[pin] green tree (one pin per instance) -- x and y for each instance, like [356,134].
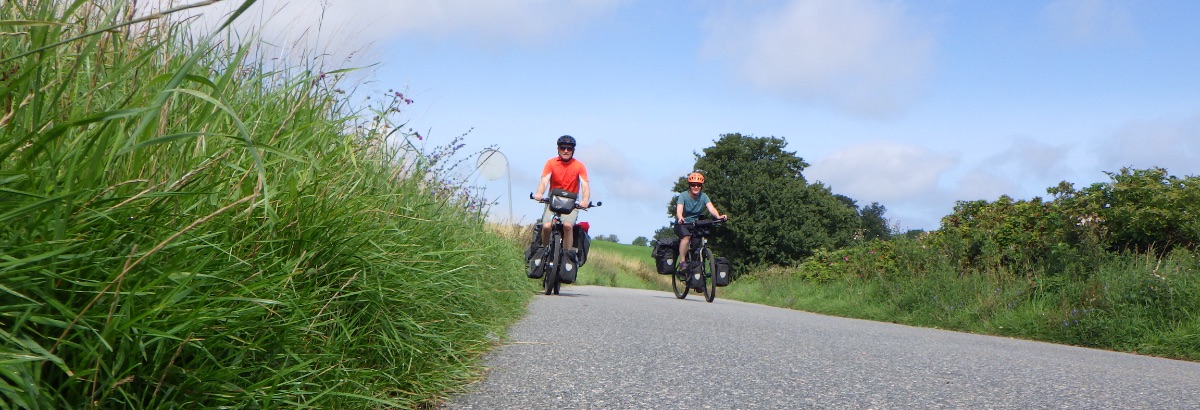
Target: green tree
[1006,234]
[777,217]
[872,222]
[1140,209]
[607,238]
[640,241]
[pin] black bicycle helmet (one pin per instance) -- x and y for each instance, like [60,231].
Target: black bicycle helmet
[566,140]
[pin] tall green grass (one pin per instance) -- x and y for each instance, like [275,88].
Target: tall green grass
[183,226]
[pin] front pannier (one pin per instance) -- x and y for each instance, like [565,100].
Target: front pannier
[724,273]
[535,234]
[562,201]
[566,272]
[665,252]
[533,270]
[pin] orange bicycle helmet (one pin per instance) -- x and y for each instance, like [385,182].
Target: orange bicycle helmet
[695,178]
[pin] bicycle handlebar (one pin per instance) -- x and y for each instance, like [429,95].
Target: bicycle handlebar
[547,199]
[713,222]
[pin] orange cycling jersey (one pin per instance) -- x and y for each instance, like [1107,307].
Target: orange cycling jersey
[565,175]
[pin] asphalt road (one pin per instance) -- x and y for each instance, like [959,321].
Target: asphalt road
[611,348]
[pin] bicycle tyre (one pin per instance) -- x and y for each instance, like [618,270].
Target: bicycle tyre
[710,286]
[551,283]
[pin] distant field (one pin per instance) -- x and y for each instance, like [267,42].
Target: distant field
[620,265]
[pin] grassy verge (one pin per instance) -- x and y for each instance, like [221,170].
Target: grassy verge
[617,265]
[1126,302]
[182,226]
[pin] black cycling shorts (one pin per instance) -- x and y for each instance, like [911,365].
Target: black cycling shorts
[681,230]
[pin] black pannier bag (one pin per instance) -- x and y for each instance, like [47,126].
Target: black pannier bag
[582,243]
[665,252]
[567,271]
[562,201]
[535,234]
[724,273]
[567,276]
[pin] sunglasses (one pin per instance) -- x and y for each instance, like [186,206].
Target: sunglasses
[566,148]
[696,185]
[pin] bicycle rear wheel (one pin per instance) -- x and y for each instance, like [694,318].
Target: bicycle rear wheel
[710,286]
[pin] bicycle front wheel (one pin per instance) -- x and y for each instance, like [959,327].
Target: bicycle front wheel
[710,285]
[679,285]
[554,259]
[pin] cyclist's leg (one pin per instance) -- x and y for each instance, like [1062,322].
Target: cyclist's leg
[539,254]
[568,222]
[568,236]
[547,223]
[681,231]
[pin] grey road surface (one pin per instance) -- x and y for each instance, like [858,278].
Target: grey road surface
[610,348]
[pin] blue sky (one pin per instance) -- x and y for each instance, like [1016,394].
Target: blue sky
[912,104]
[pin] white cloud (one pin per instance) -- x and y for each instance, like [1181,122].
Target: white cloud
[985,185]
[867,56]
[344,28]
[620,179]
[881,172]
[1085,21]
[1029,158]
[1173,144]
[903,178]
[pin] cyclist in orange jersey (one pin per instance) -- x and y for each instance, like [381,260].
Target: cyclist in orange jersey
[569,174]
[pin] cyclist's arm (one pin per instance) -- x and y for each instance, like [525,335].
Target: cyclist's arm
[542,185]
[679,212]
[712,210]
[585,193]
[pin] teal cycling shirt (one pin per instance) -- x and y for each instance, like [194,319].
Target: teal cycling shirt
[692,208]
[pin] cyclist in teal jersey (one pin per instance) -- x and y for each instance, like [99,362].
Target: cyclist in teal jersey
[688,207]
